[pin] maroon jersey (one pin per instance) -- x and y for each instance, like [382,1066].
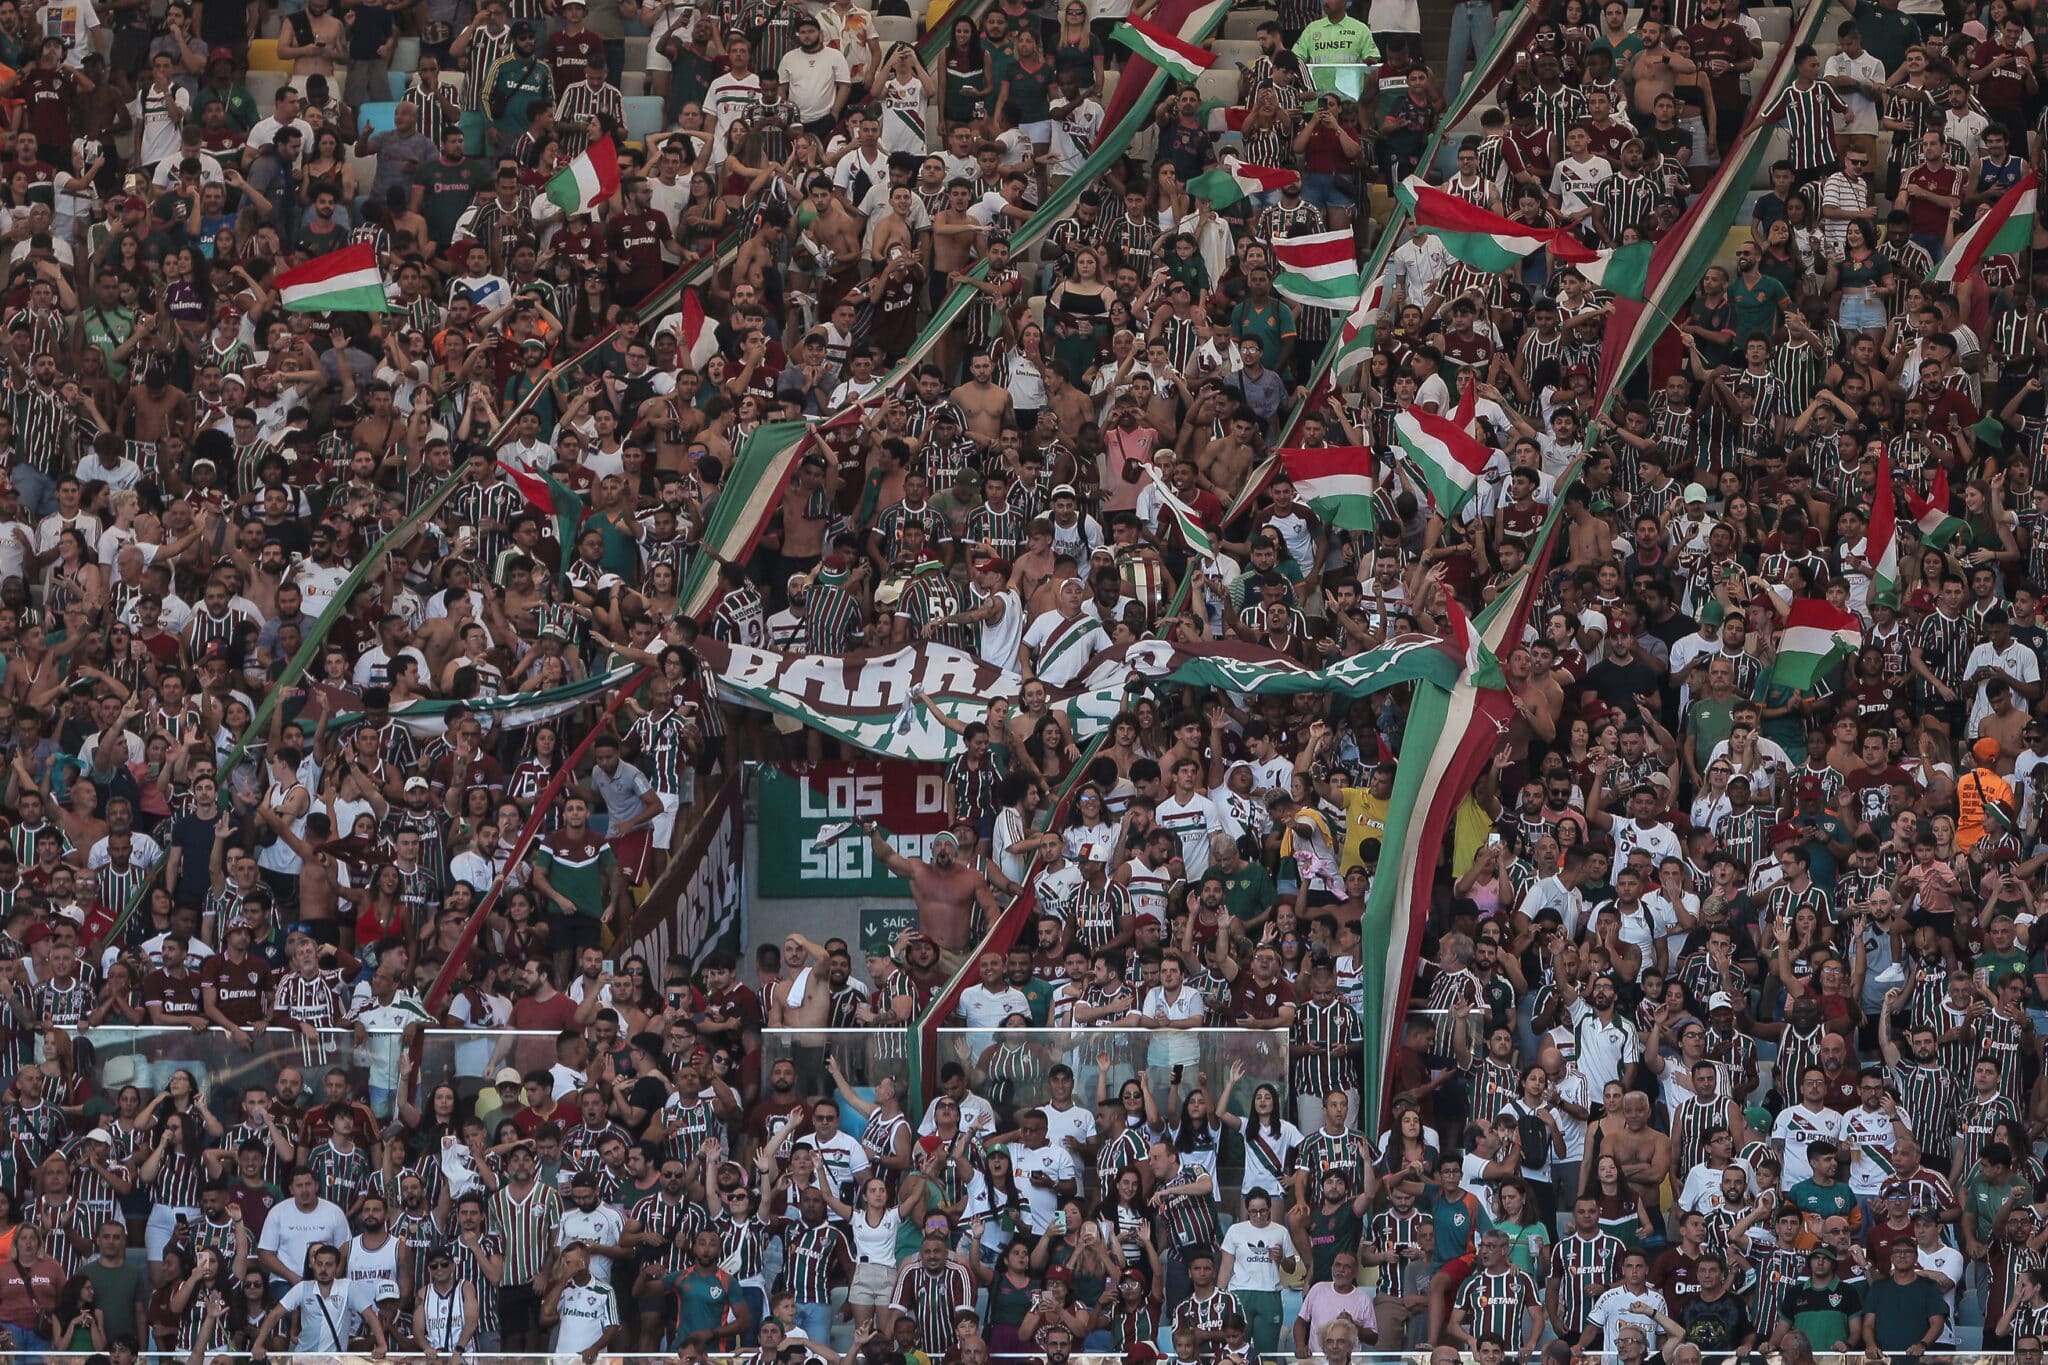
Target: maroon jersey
[176,996]
[636,240]
[238,987]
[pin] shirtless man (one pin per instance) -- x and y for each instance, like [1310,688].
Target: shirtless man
[759,253]
[1644,1153]
[1655,71]
[946,891]
[1227,459]
[892,231]
[154,409]
[377,428]
[1066,402]
[1538,703]
[837,231]
[983,402]
[807,511]
[1033,565]
[956,245]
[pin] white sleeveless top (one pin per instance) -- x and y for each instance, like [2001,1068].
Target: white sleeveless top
[278,855]
[1000,640]
[875,1245]
[441,1319]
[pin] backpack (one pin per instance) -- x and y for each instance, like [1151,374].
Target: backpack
[1535,1138]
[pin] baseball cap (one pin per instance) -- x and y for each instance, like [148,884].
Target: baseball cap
[1720,1000]
[1985,749]
[415,784]
[1811,786]
[221,54]
[993,565]
[1695,493]
[509,1075]
[100,1135]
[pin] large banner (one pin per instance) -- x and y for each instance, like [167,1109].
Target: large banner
[696,907]
[796,801]
[912,702]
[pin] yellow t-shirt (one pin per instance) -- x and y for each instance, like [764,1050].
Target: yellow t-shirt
[1365,817]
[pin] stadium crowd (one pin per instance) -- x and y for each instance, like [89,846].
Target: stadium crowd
[1729,1034]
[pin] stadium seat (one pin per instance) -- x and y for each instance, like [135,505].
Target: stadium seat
[380,117]
[263,87]
[636,53]
[892,28]
[643,116]
[263,56]
[406,56]
[1244,26]
[1775,23]
[398,80]
[1218,83]
[1236,51]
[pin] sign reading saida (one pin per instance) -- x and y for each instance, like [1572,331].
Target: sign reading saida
[797,800]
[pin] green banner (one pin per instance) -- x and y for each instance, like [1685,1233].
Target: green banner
[808,845]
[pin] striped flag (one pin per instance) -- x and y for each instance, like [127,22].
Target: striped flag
[1192,531]
[1355,341]
[551,498]
[1817,636]
[587,181]
[1482,239]
[1931,514]
[1182,60]
[1451,459]
[2006,229]
[1235,180]
[1624,271]
[1881,545]
[1337,483]
[344,281]
[1480,666]
[699,339]
[1319,270]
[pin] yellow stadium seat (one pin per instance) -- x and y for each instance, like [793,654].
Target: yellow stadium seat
[263,56]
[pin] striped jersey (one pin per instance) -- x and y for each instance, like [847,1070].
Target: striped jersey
[527,1226]
[1498,1302]
[1584,1267]
[808,1257]
[929,1298]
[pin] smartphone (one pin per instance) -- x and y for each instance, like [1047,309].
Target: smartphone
[1493,838]
[1059,1222]
[608,967]
[1175,1076]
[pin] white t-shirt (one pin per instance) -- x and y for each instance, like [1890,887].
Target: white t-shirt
[1573,182]
[587,1310]
[2017,661]
[1255,1267]
[601,1226]
[1612,1309]
[1797,1129]
[1057,1163]
[324,1317]
[291,1232]
[1867,1128]
[1192,822]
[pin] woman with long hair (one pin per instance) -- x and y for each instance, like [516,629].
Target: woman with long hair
[968,77]
[1012,1294]
[874,1220]
[1269,1139]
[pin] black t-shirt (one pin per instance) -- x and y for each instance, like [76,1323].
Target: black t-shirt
[647,1094]
[1618,685]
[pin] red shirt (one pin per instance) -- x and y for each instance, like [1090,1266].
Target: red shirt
[636,240]
[178,995]
[558,1012]
[1250,1000]
[238,988]
[1929,219]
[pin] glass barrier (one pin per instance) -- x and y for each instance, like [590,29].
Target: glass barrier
[222,1064]
[1009,1069]
[470,1059]
[862,1056]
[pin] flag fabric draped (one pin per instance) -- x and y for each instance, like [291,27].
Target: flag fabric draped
[1451,459]
[1817,636]
[1482,668]
[1931,514]
[1319,270]
[1192,531]
[1336,482]
[1182,60]
[587,181]
[1355,341]
[1480,238]
[1881,544]
[1624,271]
[1235,180]
[2006,229]
[552,498]
[699,339]
[344,281]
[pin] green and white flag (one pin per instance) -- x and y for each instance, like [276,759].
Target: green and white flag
[1931,514]
[1623,272]
[1337,483]
[1355,341]
[1451,459]
[1181,60]
[1235,181]
[1319,270]
[2006,229]
[1479,237]
[344,281]
[1197,536]
[587,181]
[1817,636]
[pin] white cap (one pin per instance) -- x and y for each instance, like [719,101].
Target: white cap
[1720,1000]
